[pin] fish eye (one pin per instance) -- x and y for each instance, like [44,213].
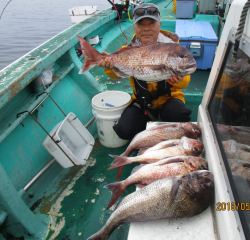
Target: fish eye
[195,150]
[181,55]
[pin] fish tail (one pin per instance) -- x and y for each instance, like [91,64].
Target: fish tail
[117,188]
[119,172]
[99,235]
[92,56]
[106,230]
[119,161]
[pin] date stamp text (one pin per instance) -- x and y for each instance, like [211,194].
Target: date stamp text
[232,206]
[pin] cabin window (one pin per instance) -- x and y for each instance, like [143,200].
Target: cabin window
[229,110]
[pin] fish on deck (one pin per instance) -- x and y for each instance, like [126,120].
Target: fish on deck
[155,135]
[173,197]
[143,175]
[152,62]
[185,147]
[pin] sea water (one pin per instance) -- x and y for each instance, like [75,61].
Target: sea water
[27,24]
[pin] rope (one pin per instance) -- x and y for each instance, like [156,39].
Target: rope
[120,23]
[4,9]
[240,28]
[242,20]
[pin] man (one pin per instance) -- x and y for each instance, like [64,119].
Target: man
[154,100]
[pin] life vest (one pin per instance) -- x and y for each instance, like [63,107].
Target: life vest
[144,99]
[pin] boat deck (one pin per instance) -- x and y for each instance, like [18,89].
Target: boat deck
[75,202]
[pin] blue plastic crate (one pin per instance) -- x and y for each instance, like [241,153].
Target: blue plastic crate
[185,8]
[200,39]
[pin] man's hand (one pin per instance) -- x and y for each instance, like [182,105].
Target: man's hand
[174,80]
[106,63]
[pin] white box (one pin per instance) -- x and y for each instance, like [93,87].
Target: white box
[82,10]
[73,138]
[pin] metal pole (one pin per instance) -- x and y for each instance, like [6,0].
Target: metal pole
[90,122]
[39,174]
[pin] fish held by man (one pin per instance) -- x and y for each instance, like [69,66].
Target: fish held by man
[143,175]
[152,62]
[186,146]
[152,136]
[174,197]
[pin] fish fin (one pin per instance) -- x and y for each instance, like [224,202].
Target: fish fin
[119,172]
[153,67]
[119,73]
[172,144]
[169,160]
[118,203]
[119,161]
[92,56]
[142,151]
[123,49]
[137,168]
[117,189]
[164,139]
[162,127]
[140,185]
[173,192]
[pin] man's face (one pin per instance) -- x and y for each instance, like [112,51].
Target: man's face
[147,29]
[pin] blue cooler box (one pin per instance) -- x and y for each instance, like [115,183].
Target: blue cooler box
[199,39]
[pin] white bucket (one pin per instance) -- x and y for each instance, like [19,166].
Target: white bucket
[108,116]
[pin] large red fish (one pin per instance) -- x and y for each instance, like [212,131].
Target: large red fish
[148,173]
[152,62]
[185,147]
[155,135]
[173,197]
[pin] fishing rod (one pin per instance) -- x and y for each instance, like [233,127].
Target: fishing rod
[168,4]
[119,8]
[4,9]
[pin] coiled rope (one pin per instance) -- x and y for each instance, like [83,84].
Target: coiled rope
[240,28]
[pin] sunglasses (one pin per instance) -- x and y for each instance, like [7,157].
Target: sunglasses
[149,10]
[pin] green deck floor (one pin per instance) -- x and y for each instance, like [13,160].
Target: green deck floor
[78,210]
